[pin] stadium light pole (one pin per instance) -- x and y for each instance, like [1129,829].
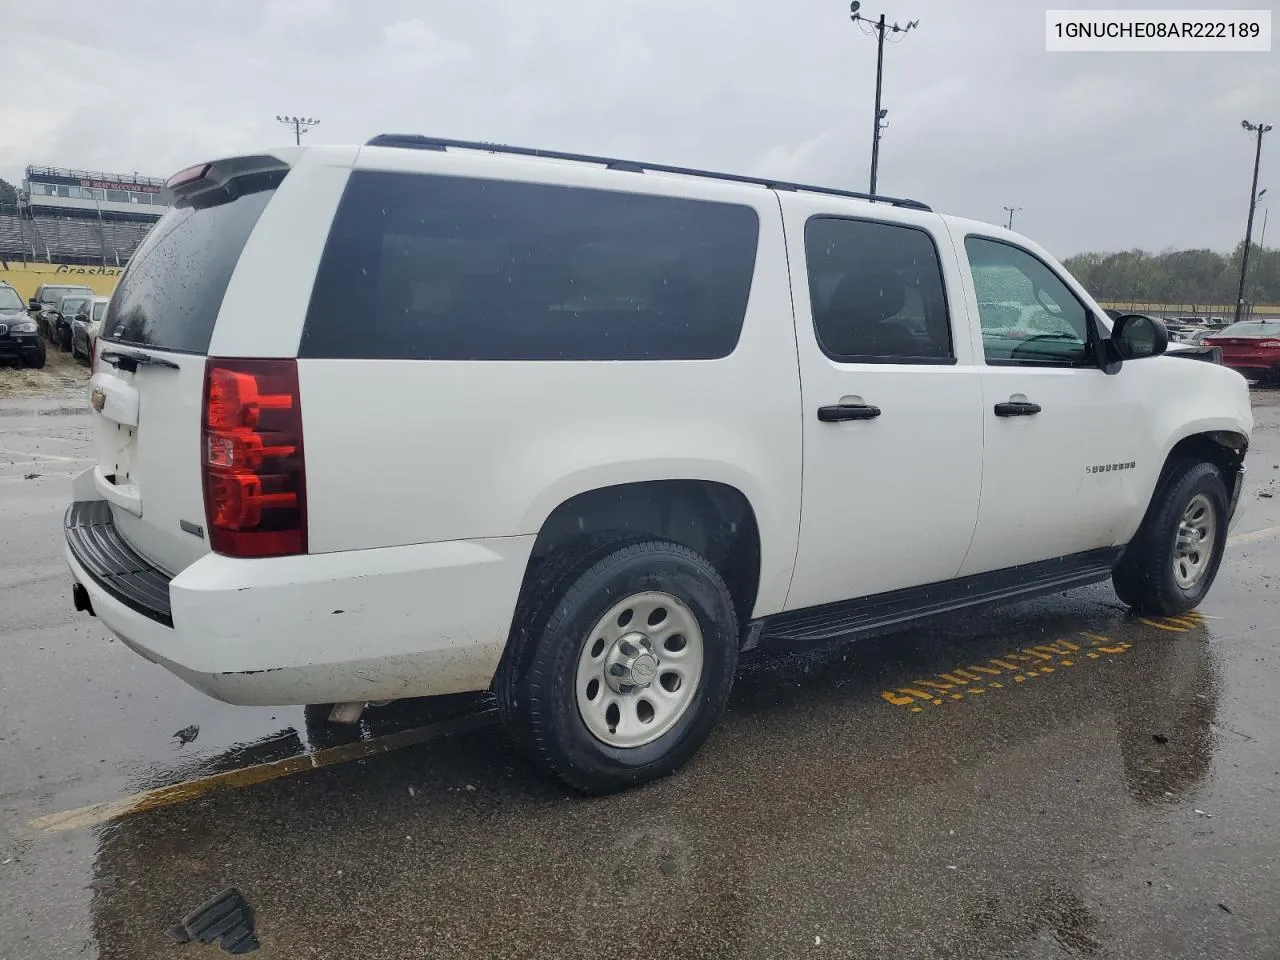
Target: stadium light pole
[1012,211]
[880,27]
[300,126]
[1259,129]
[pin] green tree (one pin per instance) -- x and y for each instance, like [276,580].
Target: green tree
[8,194]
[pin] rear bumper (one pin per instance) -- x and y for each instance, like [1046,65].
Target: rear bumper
[409,621]
[1253,365]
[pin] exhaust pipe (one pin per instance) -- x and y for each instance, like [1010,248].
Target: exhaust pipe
[80,599]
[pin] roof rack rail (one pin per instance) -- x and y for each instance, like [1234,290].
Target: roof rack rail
[414,141]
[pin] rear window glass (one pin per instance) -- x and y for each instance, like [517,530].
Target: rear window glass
[1250,328]
[447,268]
[170,293]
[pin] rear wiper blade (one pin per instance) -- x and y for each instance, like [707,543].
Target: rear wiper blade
[130,361]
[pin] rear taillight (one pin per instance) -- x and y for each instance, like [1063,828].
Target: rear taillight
[1269,343]
[255,494]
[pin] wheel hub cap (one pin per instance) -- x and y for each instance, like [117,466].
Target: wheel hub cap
[1194,543]
[631,663]
[639,669]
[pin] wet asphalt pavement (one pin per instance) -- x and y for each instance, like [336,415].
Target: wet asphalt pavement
[1054,779]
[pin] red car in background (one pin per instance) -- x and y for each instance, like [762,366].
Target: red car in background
[1252,347]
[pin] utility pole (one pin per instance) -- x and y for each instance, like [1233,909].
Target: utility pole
[880,27]
[1012,211]
[300,126]
[1259,129]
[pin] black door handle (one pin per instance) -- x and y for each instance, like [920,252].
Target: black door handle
[1017,408]
[847,411]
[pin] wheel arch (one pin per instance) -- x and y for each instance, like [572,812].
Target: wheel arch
[1223,445]
[716,519]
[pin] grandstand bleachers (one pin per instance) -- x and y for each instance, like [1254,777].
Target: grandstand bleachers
[14,240]
[42,236]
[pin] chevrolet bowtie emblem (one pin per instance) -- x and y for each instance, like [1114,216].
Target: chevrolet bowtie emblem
[98,399]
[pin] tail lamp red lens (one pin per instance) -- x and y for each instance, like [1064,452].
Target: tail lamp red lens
[254,472]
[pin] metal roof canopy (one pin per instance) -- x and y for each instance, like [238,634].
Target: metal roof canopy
[416,142]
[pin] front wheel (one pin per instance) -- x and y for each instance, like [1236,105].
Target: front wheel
[622,668]
[1173,559]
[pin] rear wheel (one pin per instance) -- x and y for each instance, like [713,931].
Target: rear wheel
[620,670]
[1172,561]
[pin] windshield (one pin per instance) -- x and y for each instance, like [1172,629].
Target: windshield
[52,295]
[1251,328]
[9,299]
[70,305]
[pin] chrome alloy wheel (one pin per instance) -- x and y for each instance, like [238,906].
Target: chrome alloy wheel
[639,669]
[1193,550]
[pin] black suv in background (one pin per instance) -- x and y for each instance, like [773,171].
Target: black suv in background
[20,341]
[59,324]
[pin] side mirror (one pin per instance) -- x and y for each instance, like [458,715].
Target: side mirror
[1136,336]
[33,304]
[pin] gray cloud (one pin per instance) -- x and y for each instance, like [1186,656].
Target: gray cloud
[1103,151]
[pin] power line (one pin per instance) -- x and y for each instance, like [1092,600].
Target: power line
[1012,211]
[1259,129]
[300,126]
[879,27]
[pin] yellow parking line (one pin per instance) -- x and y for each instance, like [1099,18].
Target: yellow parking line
[1163,626]
[187,790]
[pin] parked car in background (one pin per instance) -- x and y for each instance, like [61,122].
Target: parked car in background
[1252,347]
[85,326]
[60,321]
[45,302]
[19,339]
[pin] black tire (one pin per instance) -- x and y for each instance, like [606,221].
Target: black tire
[35,360]
[535,686]
[1144,577]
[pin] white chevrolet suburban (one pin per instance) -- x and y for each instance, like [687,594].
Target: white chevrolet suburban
[422,417]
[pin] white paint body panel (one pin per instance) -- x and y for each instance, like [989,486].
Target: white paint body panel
[151,446]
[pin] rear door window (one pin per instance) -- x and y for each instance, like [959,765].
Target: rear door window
[171,292]
[877,292]
[448,268]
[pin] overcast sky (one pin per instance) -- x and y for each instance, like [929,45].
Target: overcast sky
[1103,151]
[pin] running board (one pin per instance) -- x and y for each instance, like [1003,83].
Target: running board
[898,609]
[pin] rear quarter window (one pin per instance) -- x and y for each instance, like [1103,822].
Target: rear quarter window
[170,294]
[449,268]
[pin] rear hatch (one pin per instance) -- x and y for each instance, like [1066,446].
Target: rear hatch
[149,363]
